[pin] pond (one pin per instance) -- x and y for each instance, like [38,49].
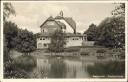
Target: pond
[70,67]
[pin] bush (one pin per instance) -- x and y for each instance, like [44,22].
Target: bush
[101,51]
[11,71]
[25,62]
[72,49]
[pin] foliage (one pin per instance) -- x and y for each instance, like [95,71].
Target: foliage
[110,32]
[119,10]
[12,41]
[72,49]
[25,62]
[37,35]
[11,71]
[57,41]
[8,10]
[10,33]
[22,40]
[91,32]
[101,51]
[107,68]
[26,42]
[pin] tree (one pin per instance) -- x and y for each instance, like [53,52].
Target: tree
[111,32]
[10,29]
[57,41]
[25,41]
[91,32]
[8,10]
[10,32]
[119,10]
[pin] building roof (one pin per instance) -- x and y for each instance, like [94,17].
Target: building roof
[50,18]
[58,17]
[62,25]
[69,20]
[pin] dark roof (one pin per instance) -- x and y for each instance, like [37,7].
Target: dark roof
[50,18]
[58,17]
[62,25]
[71,22]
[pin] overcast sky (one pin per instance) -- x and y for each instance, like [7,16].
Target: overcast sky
[31,15]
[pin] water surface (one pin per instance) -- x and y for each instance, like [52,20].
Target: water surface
[70,67]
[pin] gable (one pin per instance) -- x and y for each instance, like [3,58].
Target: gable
[60,22]
[68,20]
[68,27]
[50,24]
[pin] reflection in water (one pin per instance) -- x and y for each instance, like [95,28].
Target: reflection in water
[62,68]
[58,68]
[75,69]
[111,68]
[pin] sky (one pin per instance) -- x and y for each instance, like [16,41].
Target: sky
[31,15]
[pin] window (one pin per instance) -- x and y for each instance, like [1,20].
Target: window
[45,45]
[43,30]
[40,38]
[77,39]
[43,38]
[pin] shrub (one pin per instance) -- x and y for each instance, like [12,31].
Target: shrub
[72,49]
[25,62]
[101,51]
[11,71]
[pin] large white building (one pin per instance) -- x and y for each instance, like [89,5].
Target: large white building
[66,24]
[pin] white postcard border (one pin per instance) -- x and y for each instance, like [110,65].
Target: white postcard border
[67,80]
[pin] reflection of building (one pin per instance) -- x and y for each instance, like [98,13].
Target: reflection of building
[66,24]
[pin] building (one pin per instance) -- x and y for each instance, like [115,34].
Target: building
[66,24]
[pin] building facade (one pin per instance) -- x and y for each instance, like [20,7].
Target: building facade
[66,24]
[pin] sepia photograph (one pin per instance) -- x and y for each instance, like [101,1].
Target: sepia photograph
[64,40]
